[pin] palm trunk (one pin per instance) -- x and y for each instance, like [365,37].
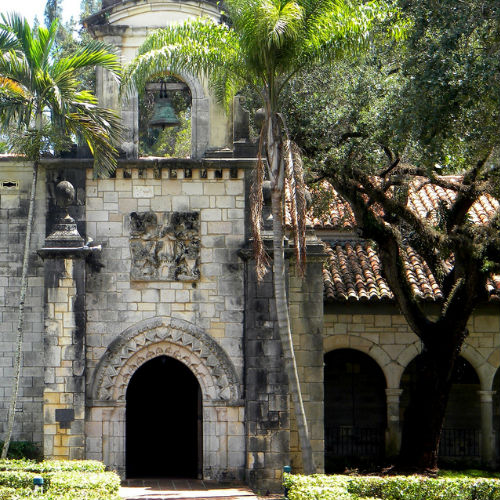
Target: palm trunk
[274,150]
[20,316]
[286,335]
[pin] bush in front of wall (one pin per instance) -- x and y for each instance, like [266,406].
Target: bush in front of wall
[63,480]
[52,465]
[415,487]
[23,450]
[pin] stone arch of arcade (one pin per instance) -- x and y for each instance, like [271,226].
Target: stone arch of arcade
[469,422]
[355,408]
[393,367]
[219,384]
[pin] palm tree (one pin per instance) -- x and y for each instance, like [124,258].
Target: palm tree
[265,44]
[41,102]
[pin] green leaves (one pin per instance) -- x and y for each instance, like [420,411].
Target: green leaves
[414,487]
[268,42]
[35,84]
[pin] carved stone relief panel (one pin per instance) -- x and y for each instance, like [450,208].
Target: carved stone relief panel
[165,246]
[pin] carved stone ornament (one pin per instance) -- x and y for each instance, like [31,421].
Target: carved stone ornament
[172,337]
[165,246]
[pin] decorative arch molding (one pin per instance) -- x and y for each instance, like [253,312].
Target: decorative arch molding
[484,369]
[389,368]
[172,337]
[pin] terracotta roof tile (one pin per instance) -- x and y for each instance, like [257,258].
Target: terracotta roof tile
[353,272]
[424,199]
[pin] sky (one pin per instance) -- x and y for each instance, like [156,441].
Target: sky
[30,8]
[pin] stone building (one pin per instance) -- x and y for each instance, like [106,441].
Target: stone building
[150,344]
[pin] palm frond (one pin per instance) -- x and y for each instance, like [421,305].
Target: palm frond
[256,206]
[20,31]
[100,128]
[197,47]
[93,54]
[30,81]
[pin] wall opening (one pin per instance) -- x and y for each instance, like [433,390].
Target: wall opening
[163,421]
[461,434]
[173,140]
[355,410]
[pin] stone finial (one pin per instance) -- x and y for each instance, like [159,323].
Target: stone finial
[65,194]
[64,232]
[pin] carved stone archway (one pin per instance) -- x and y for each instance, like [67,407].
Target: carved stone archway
[219,383]
[173,337]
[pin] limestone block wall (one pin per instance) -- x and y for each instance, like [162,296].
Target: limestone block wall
[15,185]
[160,316]
[306,317]
[266,384]
[64,355]
[214,303]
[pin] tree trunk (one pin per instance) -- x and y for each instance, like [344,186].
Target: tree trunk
[286,334]
[424,417]
[20,315]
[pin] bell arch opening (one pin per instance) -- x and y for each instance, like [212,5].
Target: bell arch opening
[165,118]
[355,409]
[163,421]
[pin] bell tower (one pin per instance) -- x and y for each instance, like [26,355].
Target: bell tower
[125,25]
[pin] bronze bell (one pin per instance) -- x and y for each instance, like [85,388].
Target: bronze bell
[163,112]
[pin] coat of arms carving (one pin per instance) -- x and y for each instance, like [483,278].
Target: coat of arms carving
[165,246]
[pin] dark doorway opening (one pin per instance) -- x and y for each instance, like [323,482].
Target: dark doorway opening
[355,410]
[164,417]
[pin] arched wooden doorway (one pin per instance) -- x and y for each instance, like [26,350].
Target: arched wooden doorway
[163,421]
[355,409]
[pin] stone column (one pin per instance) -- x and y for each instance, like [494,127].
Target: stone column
[64,339]
[487,433]
[393,431]
[266,387]
[306,321]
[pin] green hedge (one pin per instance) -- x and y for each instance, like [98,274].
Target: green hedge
[53,465]
[63,480]
[338,487]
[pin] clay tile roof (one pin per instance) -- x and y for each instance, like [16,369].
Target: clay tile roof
[352,271]
[424,199]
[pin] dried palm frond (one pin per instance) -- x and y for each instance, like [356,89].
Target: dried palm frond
[256,204]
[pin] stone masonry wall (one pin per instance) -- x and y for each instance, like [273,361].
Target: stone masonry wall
[266,397]
[214,302]
[15,185]
[64,354]
[306,317]
[194,277]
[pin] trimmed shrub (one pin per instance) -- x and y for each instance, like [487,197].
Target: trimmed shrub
[63,480]
[53,465]
[14,493]
[105,483]
[391,487]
